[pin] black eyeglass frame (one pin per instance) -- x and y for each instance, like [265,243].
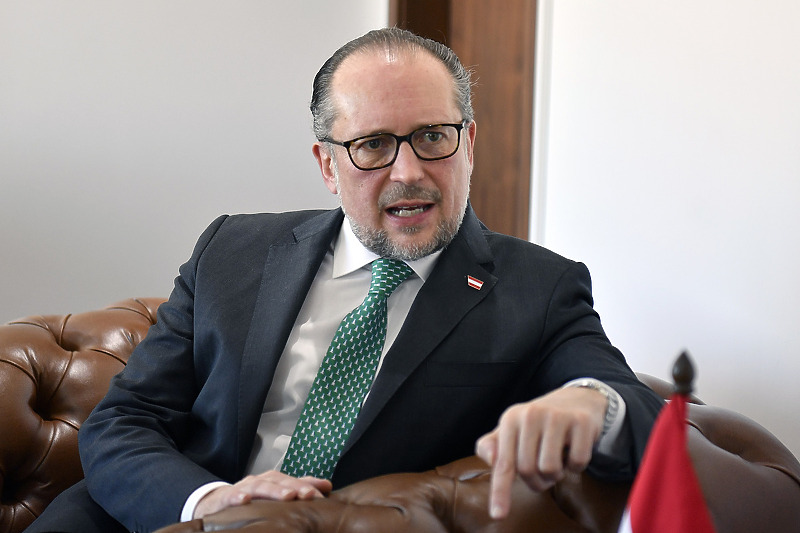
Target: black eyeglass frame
[399,140]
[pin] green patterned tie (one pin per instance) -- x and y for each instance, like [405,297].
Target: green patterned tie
[344,378]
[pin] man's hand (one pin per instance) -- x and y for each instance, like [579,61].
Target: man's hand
[540,440]
[270,485]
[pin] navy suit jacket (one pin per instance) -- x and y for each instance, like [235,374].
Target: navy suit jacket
[184,411]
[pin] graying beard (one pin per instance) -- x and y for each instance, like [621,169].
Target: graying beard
[378,242]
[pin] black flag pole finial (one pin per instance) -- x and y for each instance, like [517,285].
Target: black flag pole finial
[683,374]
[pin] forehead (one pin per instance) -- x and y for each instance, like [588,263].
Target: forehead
[392,91]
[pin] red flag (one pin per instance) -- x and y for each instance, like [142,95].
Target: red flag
[666,495]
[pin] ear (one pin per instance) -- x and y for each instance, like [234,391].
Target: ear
[324,159]
[469,140]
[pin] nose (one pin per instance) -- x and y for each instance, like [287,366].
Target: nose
[407,166]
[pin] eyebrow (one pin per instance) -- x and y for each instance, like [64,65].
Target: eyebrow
[415,128]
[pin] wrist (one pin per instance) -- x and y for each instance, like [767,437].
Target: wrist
[190,507]
[611,396]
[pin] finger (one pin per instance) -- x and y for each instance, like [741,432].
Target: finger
[486,448]
[312,487]
[270,490]
[580,448]
[236,498]
[504,470]
[304,488]
[530,448]
[269,486]
[550,464]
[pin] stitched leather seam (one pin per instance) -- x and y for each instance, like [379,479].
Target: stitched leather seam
[25,322]
[60,337]
[128,309]
[106,352]
[24,504]
[67,422]
[61,378]
[49,447]
[23,370]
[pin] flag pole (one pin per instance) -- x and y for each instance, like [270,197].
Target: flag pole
[666,496]
[683,374]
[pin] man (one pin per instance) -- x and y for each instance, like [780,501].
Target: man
[491,340]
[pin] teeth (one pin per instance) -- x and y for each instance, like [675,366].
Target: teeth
[407,211]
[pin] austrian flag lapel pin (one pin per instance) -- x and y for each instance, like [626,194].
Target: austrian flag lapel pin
[475,283]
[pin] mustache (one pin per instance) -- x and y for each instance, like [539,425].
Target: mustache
[401,191]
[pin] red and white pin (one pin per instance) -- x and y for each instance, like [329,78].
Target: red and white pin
[475,283]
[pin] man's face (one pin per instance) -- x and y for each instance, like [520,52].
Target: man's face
[413,207]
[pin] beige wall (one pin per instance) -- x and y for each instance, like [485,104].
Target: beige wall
[669,144]
[126,127]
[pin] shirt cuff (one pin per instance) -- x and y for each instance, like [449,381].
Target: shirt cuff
[194,498]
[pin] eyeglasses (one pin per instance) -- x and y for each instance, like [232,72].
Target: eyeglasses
[429,143]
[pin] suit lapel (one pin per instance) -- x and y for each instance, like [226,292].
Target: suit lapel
[289,270]
[441,304]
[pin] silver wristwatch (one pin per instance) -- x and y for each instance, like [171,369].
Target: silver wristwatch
[612,397]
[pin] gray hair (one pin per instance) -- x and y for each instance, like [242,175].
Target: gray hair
[391,39]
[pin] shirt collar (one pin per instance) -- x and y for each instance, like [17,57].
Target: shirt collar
[349,255]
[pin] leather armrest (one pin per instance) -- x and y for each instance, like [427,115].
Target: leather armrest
[750,480]
[53,371]
[450,498]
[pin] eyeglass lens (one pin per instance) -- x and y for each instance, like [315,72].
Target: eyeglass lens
[429,143]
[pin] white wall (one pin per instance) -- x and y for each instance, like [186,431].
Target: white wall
[126,127]
[667,160]
[669,144]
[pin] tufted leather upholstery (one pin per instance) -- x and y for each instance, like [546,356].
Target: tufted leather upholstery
[750,480]
[53,371]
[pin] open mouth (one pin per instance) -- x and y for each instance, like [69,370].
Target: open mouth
[408,210]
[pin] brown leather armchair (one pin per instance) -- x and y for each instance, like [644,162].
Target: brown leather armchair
[751,483]
[54,369]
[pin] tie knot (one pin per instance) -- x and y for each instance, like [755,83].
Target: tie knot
[387,274]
